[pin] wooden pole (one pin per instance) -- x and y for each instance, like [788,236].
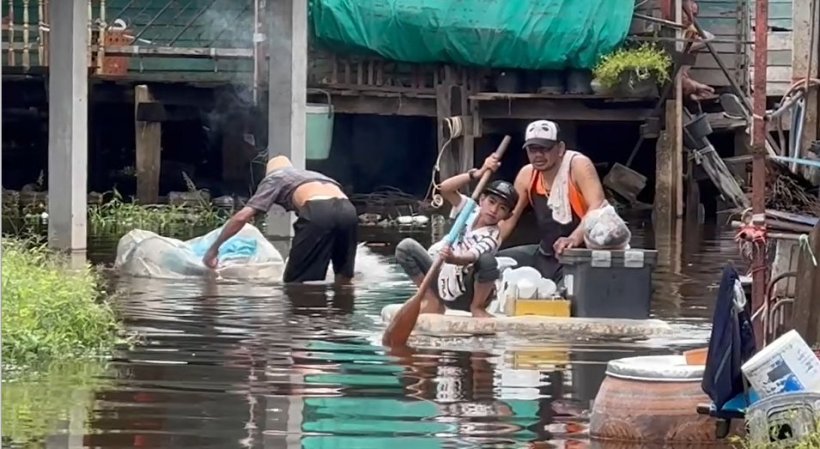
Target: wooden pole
[148,139]
[759,157]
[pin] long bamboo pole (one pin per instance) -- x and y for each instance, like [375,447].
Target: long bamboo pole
[759,158]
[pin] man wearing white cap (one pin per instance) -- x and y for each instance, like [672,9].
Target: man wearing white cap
[326,230]
[561,186]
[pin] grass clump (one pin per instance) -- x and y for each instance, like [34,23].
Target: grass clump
[51,310]
[633,65]
[119,215]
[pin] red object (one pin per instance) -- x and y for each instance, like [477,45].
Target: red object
[115,65]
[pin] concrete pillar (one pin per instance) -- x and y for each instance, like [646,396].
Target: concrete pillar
[287,91]
[68,125]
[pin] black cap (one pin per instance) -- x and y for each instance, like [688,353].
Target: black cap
[504,190]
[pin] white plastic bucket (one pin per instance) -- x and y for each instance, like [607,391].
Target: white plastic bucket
[786,365]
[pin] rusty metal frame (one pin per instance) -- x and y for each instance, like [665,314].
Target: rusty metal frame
[759,134]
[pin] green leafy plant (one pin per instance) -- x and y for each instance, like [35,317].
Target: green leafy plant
[637,64]
[51,309]
[118,215]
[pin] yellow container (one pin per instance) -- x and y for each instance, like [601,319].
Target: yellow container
[542,307]
[535,359]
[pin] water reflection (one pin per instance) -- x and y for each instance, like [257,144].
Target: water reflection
[227,365]
[49,400]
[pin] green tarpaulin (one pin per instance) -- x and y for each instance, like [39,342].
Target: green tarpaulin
[523,34]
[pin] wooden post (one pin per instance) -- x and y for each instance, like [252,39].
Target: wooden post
[806,315]
[803,41]
[676,122]
[452,100]
[668,174]
[148,148]
[465,151]
[694,208]
[447,163]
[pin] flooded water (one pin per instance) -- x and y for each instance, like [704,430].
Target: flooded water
[224,366]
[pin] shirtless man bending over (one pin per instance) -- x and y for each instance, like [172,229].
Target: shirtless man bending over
[326,229]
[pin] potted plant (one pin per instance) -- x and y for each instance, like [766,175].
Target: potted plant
[632,71]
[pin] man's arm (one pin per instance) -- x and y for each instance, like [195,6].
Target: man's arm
[232,226]
[261,201]
[521,185]
[586,178]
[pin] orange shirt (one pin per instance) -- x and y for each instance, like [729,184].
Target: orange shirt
[576,198]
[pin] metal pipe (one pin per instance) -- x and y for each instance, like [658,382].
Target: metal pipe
[759,135]
[787,105]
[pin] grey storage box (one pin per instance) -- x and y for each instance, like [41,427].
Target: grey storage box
[609,284]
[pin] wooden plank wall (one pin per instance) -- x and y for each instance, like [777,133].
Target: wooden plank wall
[779,72]
[727,20]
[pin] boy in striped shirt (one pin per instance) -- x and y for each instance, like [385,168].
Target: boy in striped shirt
[469,269]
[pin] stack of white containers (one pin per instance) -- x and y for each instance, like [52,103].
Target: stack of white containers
[786,365]
[523,283]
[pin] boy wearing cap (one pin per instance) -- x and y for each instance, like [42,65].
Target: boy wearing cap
[326,228]
[561,186]
[467,276]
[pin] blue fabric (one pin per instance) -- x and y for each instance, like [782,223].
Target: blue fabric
[731,343]
[738,403]
[234,248]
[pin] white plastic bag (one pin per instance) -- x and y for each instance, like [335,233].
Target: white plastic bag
[245,256]
[605,229]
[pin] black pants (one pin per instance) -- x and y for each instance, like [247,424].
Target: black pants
[326,231]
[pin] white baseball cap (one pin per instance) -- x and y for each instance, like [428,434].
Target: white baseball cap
[542,133]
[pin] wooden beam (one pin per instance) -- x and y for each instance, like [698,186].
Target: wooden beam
[148,140]
[180,52]
[365,89]
[201,79]
[168,95]
[387,105]
[566,109]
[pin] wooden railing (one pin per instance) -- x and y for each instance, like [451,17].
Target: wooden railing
[353,73]
[23,37]
[25,32]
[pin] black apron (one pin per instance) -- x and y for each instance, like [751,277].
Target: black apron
[550,231]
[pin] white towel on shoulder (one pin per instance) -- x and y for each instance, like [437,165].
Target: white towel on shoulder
[559,191]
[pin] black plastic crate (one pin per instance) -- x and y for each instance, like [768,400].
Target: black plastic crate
[609,284]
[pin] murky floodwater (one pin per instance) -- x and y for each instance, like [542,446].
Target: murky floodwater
[225,366]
